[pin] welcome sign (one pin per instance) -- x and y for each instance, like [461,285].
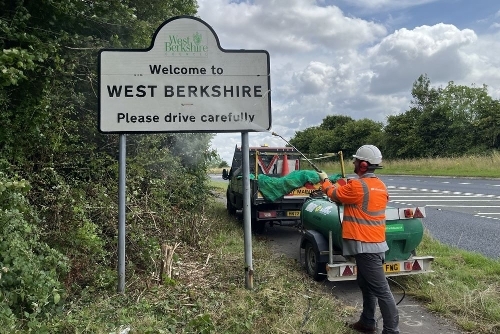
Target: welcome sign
[185,82]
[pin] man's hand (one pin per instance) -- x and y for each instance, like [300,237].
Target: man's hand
[322,176]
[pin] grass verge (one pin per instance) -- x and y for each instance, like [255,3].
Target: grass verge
[468,166]
[207,294]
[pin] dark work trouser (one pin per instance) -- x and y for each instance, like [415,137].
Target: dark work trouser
[374,286]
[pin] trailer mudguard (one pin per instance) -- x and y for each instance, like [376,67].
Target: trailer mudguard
[319,242]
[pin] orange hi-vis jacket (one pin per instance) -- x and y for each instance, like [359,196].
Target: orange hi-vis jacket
[365,201]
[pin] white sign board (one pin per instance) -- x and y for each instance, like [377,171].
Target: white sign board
[185,82]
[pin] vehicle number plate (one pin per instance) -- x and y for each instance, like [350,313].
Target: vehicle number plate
[391,267]
[293,213]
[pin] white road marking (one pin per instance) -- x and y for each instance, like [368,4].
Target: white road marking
[437,196]
[451,200]
[487,217]
[464,206]
[440,196]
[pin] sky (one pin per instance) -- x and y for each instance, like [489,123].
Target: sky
[357,58]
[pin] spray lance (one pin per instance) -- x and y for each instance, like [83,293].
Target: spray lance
[310,162]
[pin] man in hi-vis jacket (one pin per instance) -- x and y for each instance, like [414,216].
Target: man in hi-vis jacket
[363,237]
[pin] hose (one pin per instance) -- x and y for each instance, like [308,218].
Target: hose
[403,297]
[309,161]
[404,292]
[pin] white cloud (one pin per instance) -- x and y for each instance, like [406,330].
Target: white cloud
[386,4]
[405,54]
[324,62]
[285,26]
[315,77]
[483,63]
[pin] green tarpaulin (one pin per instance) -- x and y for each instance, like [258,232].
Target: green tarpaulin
[273,188]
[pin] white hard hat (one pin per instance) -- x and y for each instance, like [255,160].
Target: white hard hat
[369,153]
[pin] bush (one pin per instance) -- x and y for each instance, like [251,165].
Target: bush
[30,271]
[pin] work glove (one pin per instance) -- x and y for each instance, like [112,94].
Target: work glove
[322,176]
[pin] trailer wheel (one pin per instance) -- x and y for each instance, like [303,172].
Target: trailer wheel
[314,268]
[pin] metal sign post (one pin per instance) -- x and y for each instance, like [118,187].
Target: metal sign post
[121,213]
[247,216]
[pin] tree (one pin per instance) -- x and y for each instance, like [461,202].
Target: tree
[449,121]
[303,139]
[424,96]
[358,133]
[223,164]
[324,142]
[333,122]
[48,112]
[400,139]
[440,122]
[488,124]
[464,105]
[345,135]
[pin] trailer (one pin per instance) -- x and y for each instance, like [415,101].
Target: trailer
[321,228]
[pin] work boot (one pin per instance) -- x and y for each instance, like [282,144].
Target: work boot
[362,328]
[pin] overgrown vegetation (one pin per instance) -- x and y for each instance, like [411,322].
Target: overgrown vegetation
[30,271]
[58,201]
[59,238]
[206,293]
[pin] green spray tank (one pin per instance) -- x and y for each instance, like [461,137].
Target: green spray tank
[404,228]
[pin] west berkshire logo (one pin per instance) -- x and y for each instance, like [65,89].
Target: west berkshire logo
[187,45]
[197,38]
